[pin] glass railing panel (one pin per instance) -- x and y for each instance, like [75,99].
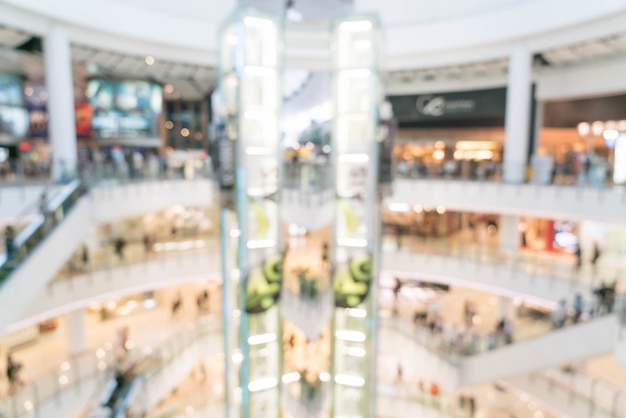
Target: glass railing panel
[454,346]
[593,175]
[108,257]
[553,266]
[307,176]
[117,173]
[102,363]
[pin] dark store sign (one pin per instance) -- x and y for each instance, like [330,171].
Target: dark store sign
[569,113]
[438,105]
[461,105]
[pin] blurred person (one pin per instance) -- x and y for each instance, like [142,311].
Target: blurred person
[13,373]
[434,392]
[399,373]
[9,241]
[85,256]
[177,304]
[325,262]
[508,332]
[579,257]
[595,256]
[147,245]
[471,403]
[559,315]
[578,306]
[396,288]
[119,245]
[43,205]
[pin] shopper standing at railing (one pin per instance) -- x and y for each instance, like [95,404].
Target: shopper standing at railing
[13,371]
[578,307]
[595,256]
[559,315]
[43,204]
[9,240]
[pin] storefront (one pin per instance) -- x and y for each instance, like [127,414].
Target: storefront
[13,120]
[449,133]
[583,139]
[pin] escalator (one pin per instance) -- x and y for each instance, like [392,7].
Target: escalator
[563,346]
[40,248]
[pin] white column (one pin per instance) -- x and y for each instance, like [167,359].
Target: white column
[75,329]
[61,118]
[509,234]
[517,119]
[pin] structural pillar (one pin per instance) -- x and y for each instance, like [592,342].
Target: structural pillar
[62,124]
[510,236]
[75,328]
[518,114]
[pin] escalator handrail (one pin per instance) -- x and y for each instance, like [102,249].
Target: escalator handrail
[65,201]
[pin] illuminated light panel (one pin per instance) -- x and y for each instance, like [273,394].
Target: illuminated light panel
[399,207]
[352,242]
[357,313]
[259,150]
[350,380]
[325,377]
[261,243]
[262,339]
[356,25]
[257,22]
[357,72]
[291,377]
[258,70]
[355,351]
[352,336]
[354,158]
[262,384]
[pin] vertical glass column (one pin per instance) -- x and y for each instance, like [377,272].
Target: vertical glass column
[357,94]
[249,110]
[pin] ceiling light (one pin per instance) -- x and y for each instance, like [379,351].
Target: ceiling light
[149,60]
[352,336]
[349,380]
[357,25]
[597,128]
[169,124]
[184,132]
[584,129]
[28,91]
[168,88]
[261,339]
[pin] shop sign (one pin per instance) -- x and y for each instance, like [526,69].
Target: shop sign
[469,105]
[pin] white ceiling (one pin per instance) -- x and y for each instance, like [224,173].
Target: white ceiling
[576,54]
[192,81]
[310,9]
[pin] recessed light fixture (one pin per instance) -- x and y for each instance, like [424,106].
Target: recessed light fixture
[168,88]
[149,60]
[184,132]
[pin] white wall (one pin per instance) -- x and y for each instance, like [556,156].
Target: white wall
[600,78]
[482,275]
[15,200]
[418,33]
[32,275]
[133,199]
[64,296]
[551,202]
